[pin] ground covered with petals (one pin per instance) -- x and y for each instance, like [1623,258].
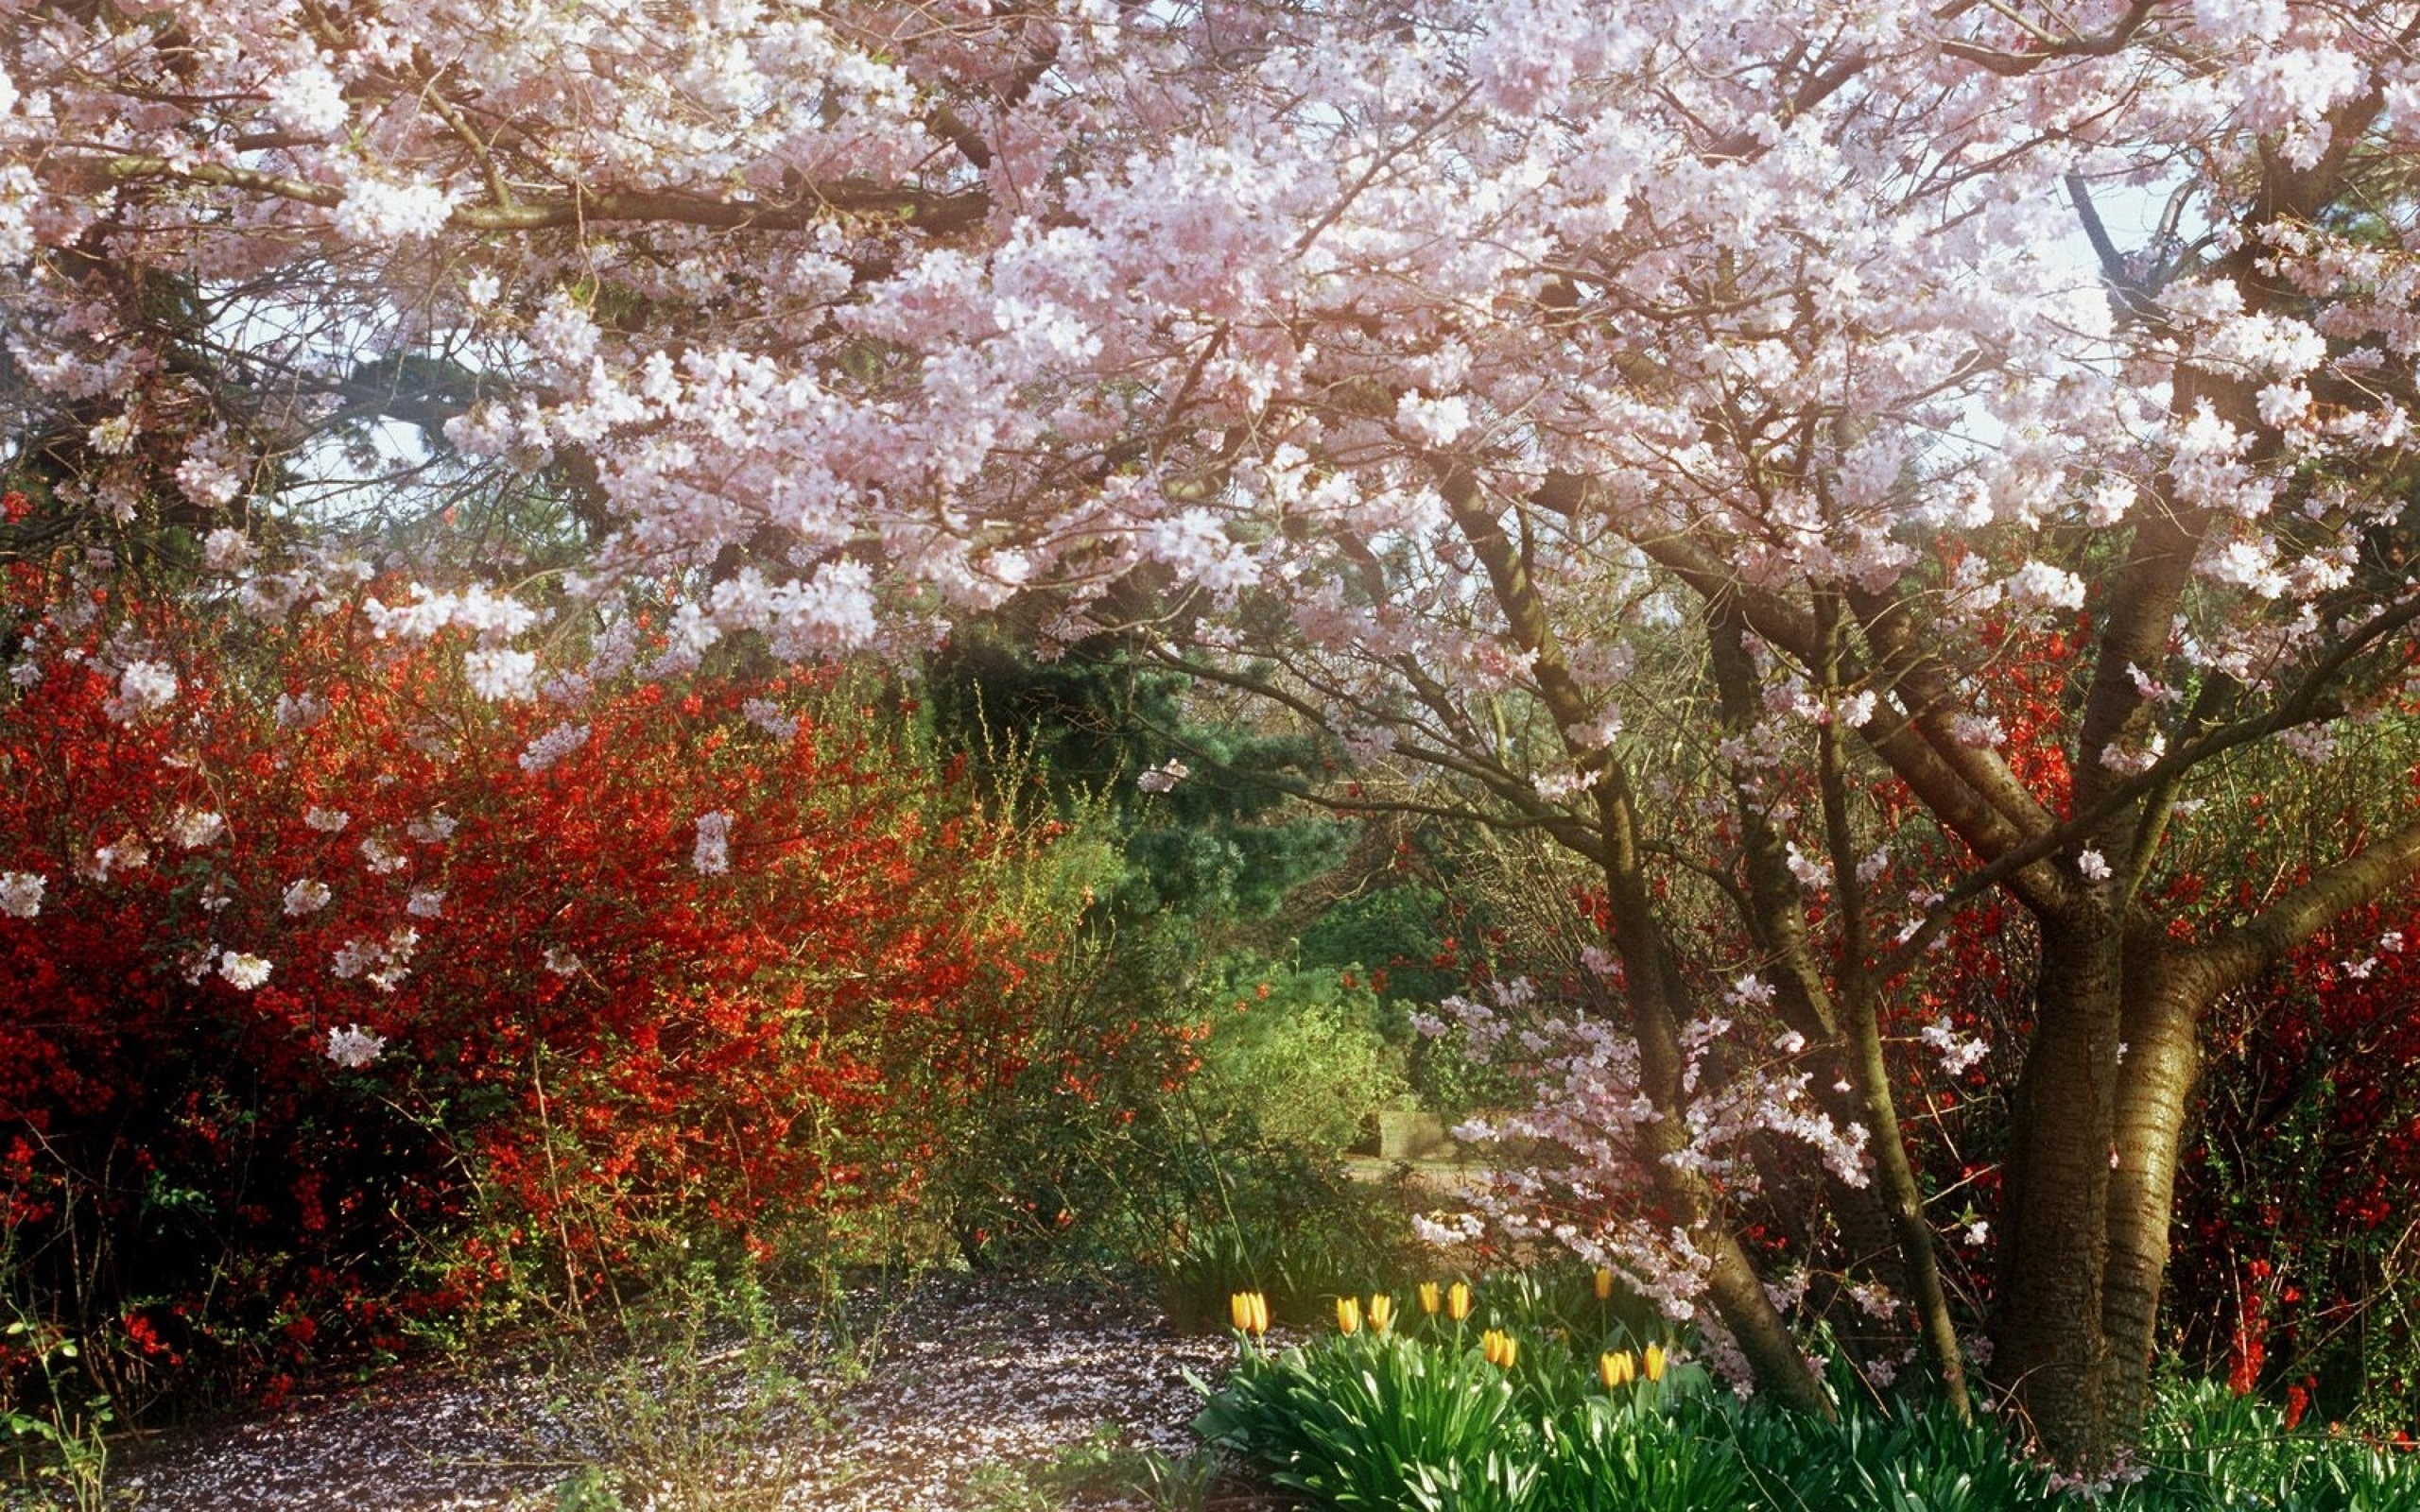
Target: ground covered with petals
[974,1388]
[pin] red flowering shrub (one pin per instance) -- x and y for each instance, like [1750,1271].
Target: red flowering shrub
[2299,1234]
[335,997]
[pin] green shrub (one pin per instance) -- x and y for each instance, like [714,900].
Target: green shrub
[1295,1056]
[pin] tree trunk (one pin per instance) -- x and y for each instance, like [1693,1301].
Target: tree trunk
[2050,1351]
[1655,993]
[1653,989]
[2166,994]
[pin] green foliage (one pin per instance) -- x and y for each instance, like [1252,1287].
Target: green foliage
[1392,931]
[1558,1303]
[1381,1422]
[1608,1457]
[1895,1458]
[54,1437]
[1295,1055]
[668,1402]
[1216,847]
[2209,1447]
[1295,1229]
[1101,1466]
[1419,1419]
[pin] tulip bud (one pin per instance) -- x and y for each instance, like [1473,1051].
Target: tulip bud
[1617,1370]
[1382,1311]
[1429,1298]
[1655,1362]
[1604,1284]
[1457,1301]
[1501,1349]
[1348,1314]
[1249,1312]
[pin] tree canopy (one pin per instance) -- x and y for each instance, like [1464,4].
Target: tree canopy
[1752,443]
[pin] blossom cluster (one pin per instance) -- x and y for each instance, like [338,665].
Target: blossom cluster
[1596,1194]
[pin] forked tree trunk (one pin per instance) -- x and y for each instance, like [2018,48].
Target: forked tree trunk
[2090,1184]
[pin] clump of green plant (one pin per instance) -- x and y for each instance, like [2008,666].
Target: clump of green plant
[54,1437]
[1895,1455]
[668,1404]
[1504,1408]
[1626,1455]
[2209,1447]
[1103,1464]
[1380,1421]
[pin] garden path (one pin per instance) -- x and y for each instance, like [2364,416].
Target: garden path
[975,1381]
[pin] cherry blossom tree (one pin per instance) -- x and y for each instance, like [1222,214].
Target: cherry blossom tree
[1459,355]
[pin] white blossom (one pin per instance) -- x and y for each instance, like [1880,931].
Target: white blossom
[191,829]
[1165,777]
[126,853]
[244,971]
[306,896]
[354,1047]
[383,964]
[144,687]
[2039,585]
[712,856]
[553,747]
[1957,1052]
[226,550]
[21,893]
[1977,730]
[300,711]
[767,715]
[1812,873]
[500,674]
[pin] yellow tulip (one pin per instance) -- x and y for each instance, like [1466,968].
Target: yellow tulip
[1617,1370]
[1382,1311]
[1248,1311]
[1457,1301]
[1655,1362]
[1429,1298]
[1348,1314]
[1500,1349]
[1604,1284]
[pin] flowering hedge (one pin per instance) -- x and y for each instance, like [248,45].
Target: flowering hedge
[341,998]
